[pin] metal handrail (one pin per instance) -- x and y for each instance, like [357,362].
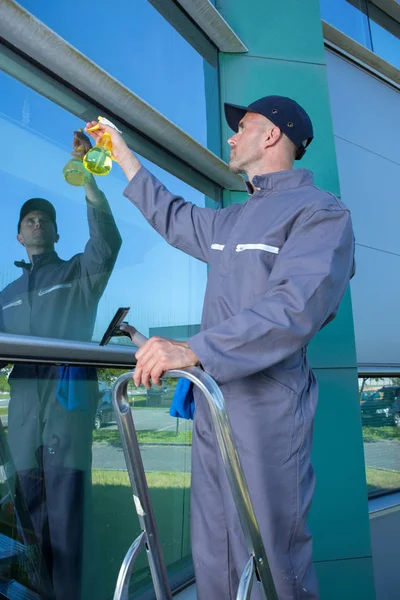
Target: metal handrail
[27,348]
[257,565]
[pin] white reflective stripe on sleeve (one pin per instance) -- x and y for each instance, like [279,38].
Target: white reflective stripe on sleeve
[55,287]
[217,246]
[264,247]
[16,303]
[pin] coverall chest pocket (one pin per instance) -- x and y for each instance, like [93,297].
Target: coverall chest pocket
[59,289]
[251,265]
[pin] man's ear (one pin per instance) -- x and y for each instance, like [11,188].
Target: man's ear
[56,238]
[20,239]
[273,136]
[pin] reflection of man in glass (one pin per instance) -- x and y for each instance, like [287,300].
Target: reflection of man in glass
[52,408]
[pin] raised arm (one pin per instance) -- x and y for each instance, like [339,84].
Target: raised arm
[101,251]
[182,224]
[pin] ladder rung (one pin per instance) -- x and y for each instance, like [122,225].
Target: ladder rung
[10,549]
[16,591]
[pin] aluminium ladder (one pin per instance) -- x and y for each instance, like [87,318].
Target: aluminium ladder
[257,567]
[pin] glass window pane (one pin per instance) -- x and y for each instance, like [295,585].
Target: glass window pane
[172,298]
[348,16]
[380,414]
[67,486]
[148,55]
[46,411]
[385,41]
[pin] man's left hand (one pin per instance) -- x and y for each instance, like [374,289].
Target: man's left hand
[81,143]
[158,355]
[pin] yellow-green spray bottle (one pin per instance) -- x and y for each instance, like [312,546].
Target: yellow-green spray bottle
[99,159]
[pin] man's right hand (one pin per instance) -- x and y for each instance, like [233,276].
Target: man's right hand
[120,151]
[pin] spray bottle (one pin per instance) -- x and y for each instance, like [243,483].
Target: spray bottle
[99,159]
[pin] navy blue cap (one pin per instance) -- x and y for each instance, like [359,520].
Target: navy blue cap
[37,204]
[284,112]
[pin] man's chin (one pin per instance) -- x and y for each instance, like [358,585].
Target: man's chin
[235,168]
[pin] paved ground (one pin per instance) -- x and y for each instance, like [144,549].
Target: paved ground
[144,418]
[379,455]
[153,418]
[383,455]
[155,458]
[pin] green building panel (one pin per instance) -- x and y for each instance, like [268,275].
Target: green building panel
[286,57]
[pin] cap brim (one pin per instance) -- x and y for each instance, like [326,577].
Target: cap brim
[234,114]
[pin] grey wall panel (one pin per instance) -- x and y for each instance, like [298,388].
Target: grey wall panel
[385,529]
[367,133]
[364,109]
[375,292]
[369,187]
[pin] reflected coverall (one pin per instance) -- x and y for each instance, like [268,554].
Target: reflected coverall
[50,445]
[279,266]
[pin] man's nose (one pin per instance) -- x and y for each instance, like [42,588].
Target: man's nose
[232,141]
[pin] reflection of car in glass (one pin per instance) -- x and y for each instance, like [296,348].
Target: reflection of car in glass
[366,395]
[382,407]
[105,411]
[159,396]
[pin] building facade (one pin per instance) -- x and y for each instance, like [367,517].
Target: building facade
[161,71]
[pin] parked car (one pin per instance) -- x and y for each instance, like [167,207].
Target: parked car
[382,407]
[105,412]
[159,395]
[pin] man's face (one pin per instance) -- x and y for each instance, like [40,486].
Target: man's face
[248,144]
[37,231]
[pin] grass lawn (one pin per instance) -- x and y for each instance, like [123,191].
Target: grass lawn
[3,410]
[375,434]
[145,436]
[138,401]
[155,479]
[379,480]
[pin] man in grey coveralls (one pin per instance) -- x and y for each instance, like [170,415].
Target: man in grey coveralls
[50,440]
[279,266]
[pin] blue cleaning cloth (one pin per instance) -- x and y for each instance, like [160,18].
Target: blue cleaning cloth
[183,401]
[73,389]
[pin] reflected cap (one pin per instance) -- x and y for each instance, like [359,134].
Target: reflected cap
[284,112]
[37,204]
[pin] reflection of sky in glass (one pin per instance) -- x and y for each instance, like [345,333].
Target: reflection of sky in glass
[137,46]
[162,285]
[347,18]
[385,44]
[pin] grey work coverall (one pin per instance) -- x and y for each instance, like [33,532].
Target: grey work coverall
[279,266]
